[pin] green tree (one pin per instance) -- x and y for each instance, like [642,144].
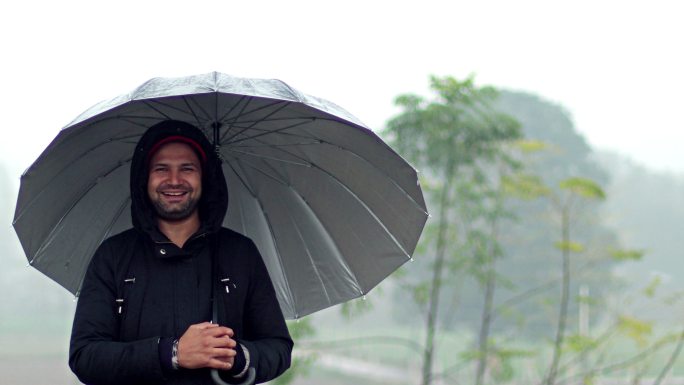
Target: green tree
[573,190]
[507,182]
[452,138]
[528,266]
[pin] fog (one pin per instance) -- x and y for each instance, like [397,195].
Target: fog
[643,210]
[600,81]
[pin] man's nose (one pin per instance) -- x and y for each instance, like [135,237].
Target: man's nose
[174,177]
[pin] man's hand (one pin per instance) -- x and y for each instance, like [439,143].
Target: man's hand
[206,345]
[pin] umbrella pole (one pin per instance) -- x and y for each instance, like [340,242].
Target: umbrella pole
[251,372]
[217,137]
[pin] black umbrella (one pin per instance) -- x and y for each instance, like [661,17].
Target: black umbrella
[332,208]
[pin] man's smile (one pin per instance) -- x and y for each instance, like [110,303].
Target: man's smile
[174,196]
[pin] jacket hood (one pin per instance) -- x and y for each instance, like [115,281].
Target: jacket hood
[214,200]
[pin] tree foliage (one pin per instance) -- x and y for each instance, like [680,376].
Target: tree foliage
[459,139]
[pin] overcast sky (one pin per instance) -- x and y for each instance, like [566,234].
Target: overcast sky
[615,66]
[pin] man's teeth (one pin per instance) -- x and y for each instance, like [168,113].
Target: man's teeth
[174,194]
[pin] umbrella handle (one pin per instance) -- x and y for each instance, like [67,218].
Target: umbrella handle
[249,379]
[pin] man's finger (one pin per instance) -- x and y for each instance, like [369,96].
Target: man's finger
[218,364]
[230,343]
[204,325]
[220,342]
[222,352]
[219,331]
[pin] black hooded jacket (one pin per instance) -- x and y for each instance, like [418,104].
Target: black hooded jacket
[141,291]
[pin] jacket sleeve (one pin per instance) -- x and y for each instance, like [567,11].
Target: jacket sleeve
[95,355]
[266,335]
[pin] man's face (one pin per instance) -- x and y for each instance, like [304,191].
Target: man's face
[174,185]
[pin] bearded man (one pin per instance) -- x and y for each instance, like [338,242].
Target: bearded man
[145,311]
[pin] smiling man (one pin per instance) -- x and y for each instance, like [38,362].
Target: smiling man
[149,295]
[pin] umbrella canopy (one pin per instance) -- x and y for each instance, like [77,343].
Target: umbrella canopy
[332,208]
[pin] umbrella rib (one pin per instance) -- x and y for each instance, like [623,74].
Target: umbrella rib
[73,205]
[283,133]
[260,120]
[280,259]
[207,115]
[66,167]
[116,218]
[370,164]
[346,266]
[358,199]
[232,108]
[292,118]
[266,131]
[133,122]
[244,182]
[172,107]
[270,230]
[263,133]
[108,228]
[306,203]
[235,118]
[251,127]
[141,117]
[252,165]
[148,104]
[267,145]
[243,97]
[80,132]
[257,109]
[311,260]
[192,111]
[127,118]
[277,119]
[269,157]
[320,141]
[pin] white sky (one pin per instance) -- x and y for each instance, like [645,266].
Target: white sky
[617,66]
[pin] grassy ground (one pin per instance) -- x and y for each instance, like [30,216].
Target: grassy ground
[33,350]
[374,343]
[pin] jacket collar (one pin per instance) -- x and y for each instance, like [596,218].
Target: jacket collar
[164,248]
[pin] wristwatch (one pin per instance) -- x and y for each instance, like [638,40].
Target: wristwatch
[174,355]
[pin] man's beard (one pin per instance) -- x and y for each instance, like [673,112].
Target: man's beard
[174,213]
[177,213]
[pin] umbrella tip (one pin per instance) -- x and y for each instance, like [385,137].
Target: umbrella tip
[411,259]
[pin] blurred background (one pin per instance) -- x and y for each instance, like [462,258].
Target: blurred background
[548,137]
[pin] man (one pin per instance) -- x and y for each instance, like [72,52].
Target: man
[148,296]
